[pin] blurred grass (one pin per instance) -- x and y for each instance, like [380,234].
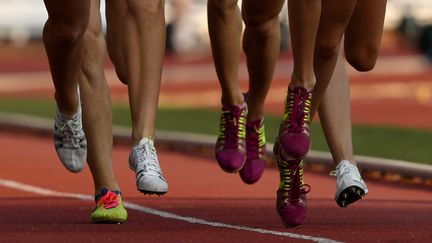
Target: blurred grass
[385,142]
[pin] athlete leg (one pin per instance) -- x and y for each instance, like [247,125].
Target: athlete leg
[363,34]
[304,18]
[293,141]
[261,45]
[144,47]
[115,16]
[335,114]
[62,37]
[225,27]
[333,22]
[96,103]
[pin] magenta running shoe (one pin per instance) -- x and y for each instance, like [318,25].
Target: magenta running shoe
[230,147]
[294,130]
[255,152]
[291,203]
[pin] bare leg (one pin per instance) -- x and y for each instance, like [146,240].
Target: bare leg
[362,40]
[363,34]
[225,26]
[62,37]
[336,122]
[115,15]
[144,46]
[261,45]
[304,16]
[97,104]
[334,20]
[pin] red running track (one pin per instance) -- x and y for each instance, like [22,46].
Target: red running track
[200,190]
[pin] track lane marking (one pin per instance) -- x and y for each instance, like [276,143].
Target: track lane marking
[85,197]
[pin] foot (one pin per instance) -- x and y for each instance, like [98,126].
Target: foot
[291,201]
[350,187]
[255,152]
[70,141]
[294,130]
[230,147]
[109,208]
[144,162]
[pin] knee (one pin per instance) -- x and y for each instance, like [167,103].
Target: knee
[262,26]
[68,31]
[362,59]
[146,8]
[221,6]
[325,50]
[121,74]
[93,42]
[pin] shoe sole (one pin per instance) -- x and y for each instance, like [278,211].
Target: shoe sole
[109,222]
[350,195]
[148,192]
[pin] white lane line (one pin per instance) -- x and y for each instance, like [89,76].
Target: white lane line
[48,192]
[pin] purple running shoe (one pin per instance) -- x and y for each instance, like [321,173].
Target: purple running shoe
[230,147]
[255,152]
[294,130]
[291,203]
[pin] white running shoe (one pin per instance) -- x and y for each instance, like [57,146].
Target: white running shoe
[144,162]
[69,141]
[350,187]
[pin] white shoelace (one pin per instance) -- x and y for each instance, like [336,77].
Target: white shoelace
[70,131]
[148,161]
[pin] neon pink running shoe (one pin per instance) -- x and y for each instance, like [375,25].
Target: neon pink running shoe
[294,131]
[291,203]
[230,147]
[255,152]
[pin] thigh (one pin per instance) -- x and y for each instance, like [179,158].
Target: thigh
[260,11]
[365,26]
[115,16]
[71,12]
[116,11]
[335,16]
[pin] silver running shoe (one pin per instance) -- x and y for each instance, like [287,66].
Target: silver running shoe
[144,162]
[69,141]
[350,187]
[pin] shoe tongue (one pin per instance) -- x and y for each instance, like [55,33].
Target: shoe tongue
[103,192]
[256,123]
[233,108]
[342,163]
[144,141]
[300,90]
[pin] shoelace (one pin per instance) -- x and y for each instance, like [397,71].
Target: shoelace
[292,180]
[232,128]
[255,141]
[71,132]
[343,169]
[109,200]
[147,154]
[297,110]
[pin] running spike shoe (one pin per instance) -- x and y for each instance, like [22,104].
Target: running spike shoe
[70,141]
[230,146]
[144,161]
[109,208]
[295,127]
[291,203]
[255,152]
[350,187]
